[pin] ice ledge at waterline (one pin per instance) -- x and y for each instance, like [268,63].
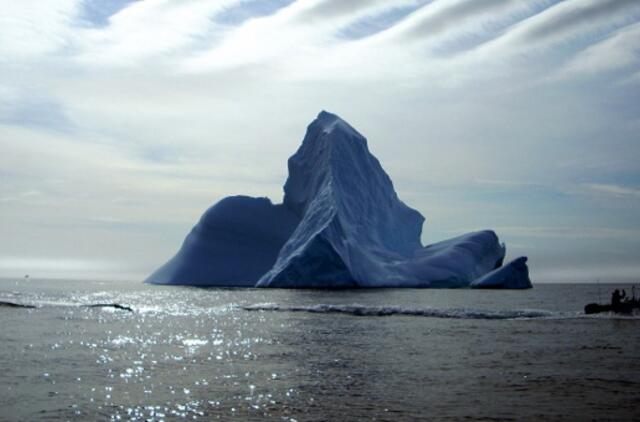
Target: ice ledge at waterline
[341,225]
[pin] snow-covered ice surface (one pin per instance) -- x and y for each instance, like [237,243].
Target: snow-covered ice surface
[341,225]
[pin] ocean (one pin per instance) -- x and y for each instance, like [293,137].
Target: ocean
[272,354]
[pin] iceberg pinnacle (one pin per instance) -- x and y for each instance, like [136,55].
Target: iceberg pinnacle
[341,225]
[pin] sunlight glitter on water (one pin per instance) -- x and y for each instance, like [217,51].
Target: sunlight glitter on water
[194,353]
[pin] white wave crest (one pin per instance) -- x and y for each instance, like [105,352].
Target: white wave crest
[453,313]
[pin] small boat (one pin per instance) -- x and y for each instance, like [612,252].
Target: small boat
[626,307]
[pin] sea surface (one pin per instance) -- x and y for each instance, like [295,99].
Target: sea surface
[261,354]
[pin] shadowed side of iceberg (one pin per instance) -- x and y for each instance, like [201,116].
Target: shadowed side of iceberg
[451,263]
[514,275]
[235,242]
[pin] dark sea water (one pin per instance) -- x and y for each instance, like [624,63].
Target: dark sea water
[252,354]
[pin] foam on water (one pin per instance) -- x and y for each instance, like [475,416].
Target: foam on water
[153,306]
[140,303]
[451,313]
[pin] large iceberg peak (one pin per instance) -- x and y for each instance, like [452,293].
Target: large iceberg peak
[347,205]
[341,224]
[334,166]
[329,146]
[329,121]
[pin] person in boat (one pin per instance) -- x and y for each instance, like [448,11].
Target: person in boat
[616,297]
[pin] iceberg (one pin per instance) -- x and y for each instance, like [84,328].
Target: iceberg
[340,225]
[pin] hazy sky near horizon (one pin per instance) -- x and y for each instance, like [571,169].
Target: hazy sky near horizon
[122,121]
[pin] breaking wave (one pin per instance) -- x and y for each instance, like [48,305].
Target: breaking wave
[451,313]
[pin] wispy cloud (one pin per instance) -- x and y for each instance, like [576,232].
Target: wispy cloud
[573,18]
[240,12]
[149,29]
[28,107]
[97,13]
[507,183]
[56,264]
[612,190]
[621,49]
[569,232]
[436,17]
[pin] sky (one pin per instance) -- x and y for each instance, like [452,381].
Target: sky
[122,121]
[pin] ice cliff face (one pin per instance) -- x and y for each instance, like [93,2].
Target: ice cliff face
[340,225]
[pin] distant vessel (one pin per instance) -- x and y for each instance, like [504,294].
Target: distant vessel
[623,308]
[617,305]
